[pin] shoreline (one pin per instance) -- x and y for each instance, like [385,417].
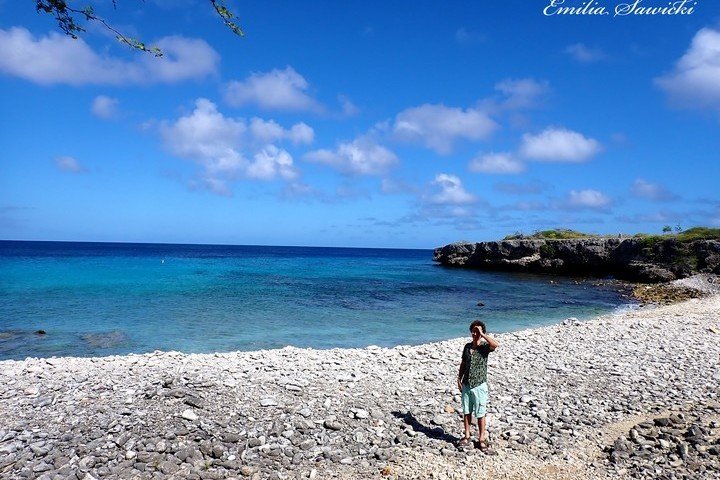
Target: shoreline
[636,296]
[558,394]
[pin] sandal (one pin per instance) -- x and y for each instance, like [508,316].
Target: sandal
[483,446]
[464,442]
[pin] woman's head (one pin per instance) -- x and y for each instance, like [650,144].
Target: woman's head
[477,323]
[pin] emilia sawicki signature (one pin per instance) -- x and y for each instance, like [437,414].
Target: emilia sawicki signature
[636,8]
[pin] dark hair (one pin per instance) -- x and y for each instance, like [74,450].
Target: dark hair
[478,323]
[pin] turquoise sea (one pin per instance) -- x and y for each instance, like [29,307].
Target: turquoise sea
[117,298]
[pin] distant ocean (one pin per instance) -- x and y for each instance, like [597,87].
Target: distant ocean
[117,298]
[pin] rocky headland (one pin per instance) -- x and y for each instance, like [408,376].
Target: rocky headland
[647,260]
[627,395]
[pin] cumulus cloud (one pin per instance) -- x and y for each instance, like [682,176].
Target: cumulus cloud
[104,107]
[695,81]
[438,127]
[587,199]
[183,58]
[271,131]
[362,156]
[230,148]
[69,164]
[58,59]
[272,162]
[275,90]
[522,92]
[448,190]
[584,54]
[651,191]
[502,163]
[558,145]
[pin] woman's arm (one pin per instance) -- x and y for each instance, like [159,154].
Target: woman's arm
[491,341]
[461,372]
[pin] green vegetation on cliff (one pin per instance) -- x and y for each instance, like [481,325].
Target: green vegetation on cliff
[689,235]
[554,234]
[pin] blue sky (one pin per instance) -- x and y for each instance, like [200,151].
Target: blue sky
[378,124]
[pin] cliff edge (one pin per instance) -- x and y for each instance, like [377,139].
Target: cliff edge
[648,260]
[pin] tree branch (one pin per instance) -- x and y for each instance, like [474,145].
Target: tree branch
[65,16]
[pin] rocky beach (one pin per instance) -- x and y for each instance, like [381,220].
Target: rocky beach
[628,395]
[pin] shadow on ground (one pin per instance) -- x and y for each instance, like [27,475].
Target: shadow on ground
[436,433]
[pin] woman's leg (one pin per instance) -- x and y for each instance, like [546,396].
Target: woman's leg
[467,420]
[482,435]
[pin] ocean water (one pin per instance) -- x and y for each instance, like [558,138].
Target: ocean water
[106,299]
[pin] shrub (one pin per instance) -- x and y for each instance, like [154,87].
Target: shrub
[699,233]
[560,234]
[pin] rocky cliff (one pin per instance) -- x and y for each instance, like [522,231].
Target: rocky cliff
[648,260]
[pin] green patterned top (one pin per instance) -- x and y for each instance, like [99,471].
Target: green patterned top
[474,361]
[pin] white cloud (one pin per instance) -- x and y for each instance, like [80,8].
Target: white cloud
[362,156]
[271,131]
[558,145]
[695,81]
[590,199]
[438,127]
[584,54]
[58,59]
[272,162]
[651,191]
[208,136]
[105,107]
[183,58]
[522,92]
[448,190]
[275,90]
[496,163]
[69,164]
[228,149]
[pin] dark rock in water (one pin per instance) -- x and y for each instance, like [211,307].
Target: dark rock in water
[649,260]
[105,339]
[40,332]
[480,304]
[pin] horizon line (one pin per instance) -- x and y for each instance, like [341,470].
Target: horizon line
[212,244]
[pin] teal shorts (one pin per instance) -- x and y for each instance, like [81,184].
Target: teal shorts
[474,400]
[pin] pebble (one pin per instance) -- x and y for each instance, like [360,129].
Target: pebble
[189,415]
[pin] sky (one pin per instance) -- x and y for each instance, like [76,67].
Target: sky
[364,124]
